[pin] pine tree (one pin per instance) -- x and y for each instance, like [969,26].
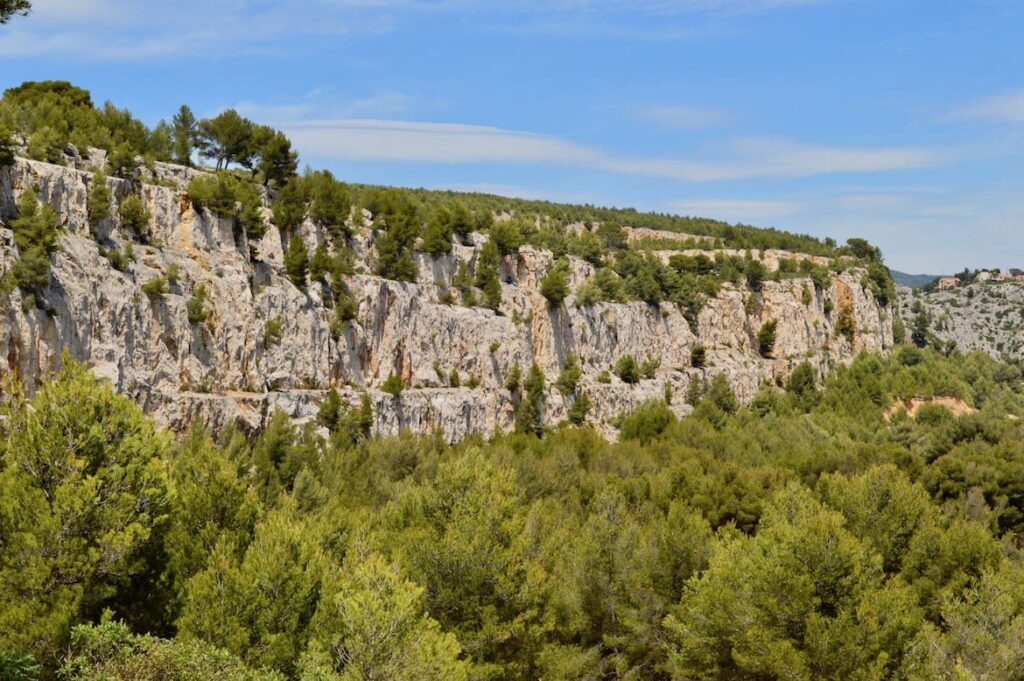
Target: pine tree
[183,135]
[371,624]
[296,261]
[528,415]
[98,205]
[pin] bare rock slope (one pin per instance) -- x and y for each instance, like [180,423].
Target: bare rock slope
[228,371]
[985,316]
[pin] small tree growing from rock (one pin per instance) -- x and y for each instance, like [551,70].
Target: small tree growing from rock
[393,385]
[296,261]
[766,337]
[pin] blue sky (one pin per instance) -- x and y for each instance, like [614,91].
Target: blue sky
[901,121]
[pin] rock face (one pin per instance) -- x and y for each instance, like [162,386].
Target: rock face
[229,371]
[986,316]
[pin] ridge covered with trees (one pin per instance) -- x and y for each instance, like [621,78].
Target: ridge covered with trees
[254,167]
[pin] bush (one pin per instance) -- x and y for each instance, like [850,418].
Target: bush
[296,261]
[393,385]
[529,414]
[36,231]
[134,214]
[110,652]
[486,275]
[846,326]
[121,259]
[228,196]
[587,294]
[98,204]
[555,284]
[579,409]
[698,357]
[7,156]
[650,420]
[196,305]
[720,394]
[569,378]
[649,367]
[512,378]
[627,369]
[155,287]
[755,273]
[766,337]
[46,144]
[273,332]
[506,236]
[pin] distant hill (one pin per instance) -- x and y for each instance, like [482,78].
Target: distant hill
[913,280]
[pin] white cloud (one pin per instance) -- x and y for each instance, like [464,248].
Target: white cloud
[327,100]
[387,140]
[679,116]
[407,141]
[1005,108]
[128,29]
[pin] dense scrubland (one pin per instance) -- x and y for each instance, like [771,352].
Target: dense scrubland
[818,533]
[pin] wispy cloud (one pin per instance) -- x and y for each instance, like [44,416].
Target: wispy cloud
[329,101]
[679,116]
[1007,107]
[456,143]
[112,30]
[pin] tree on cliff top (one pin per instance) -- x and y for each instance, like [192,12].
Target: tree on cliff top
[9,8]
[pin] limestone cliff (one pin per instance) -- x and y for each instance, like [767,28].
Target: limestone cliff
[225,371]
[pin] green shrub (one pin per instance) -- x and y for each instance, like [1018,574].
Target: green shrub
[273,332]
[196,305]
[649,367]
[698,356]
[512,378]
[36,231]
[846,326]
[587,294]
[46,144]
[528,415]
[296,261]
[7,148]
[134,214]
[506,236]
[121,259]
[555,284]
[155,287]
[111,652]
[627,369]
[650,420]
[393,385]
[766,337]
[98,204]
[579,409]
[228,196]
[569,378]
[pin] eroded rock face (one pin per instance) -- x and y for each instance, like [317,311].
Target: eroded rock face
[226,371]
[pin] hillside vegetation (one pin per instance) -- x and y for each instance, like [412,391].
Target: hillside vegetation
[814,535]
[49,115]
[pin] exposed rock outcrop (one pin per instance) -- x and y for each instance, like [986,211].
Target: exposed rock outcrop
[228,371]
